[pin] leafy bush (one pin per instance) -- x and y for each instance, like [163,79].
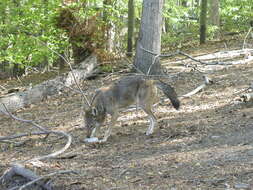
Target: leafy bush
[26,29]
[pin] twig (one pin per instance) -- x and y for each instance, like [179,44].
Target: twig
[3,87]
[208,81]
[186,55]
[56,153]
[22,120]
[149,69]
[24,135]
[75,90]
[148,51]
[20,80]
[244,41]
[71,69]
[202,62]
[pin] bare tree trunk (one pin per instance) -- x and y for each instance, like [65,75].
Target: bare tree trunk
[214,12]
[130,27]
[149,37]
[214,16]
[203,14]
[110,33]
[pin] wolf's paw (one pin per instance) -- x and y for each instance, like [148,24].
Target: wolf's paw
[149,132]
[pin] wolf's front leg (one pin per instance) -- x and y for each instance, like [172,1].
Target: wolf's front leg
[152,124]
[109,130]
[93,133]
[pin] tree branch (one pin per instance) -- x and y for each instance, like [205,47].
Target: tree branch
[45,131]
[199,88]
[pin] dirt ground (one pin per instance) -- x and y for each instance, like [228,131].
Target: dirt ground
[207,144]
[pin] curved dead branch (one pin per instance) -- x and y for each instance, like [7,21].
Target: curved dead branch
[18,169]
[44,131]
[199,88]
[56,153]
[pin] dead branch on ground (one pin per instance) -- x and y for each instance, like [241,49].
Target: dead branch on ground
[18,169]
[244,41]
[207,81]
[45,176]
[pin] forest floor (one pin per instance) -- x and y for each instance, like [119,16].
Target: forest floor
[207,144]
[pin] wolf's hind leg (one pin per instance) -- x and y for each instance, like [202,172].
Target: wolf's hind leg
[152,120]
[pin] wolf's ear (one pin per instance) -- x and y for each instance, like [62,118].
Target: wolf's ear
[94,111]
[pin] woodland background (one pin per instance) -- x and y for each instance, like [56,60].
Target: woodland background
[33,30]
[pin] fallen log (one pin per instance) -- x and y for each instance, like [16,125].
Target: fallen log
[48,88]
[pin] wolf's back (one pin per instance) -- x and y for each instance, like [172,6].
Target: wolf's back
[169,92]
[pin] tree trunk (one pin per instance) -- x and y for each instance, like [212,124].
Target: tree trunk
[214,12]
[109,32]
[149,38]
[203,14]
[130,28]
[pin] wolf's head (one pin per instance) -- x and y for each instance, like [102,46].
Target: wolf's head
[93,119]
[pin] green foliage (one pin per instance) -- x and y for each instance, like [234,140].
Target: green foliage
[106,68]
[26,29]
[181,23]
[236,14]
[29,36]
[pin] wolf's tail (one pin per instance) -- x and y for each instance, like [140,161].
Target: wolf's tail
[169,92]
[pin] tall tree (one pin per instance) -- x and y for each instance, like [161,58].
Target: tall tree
[149,37]
[214,12]
[109,33]
[131,17]
[203,14]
